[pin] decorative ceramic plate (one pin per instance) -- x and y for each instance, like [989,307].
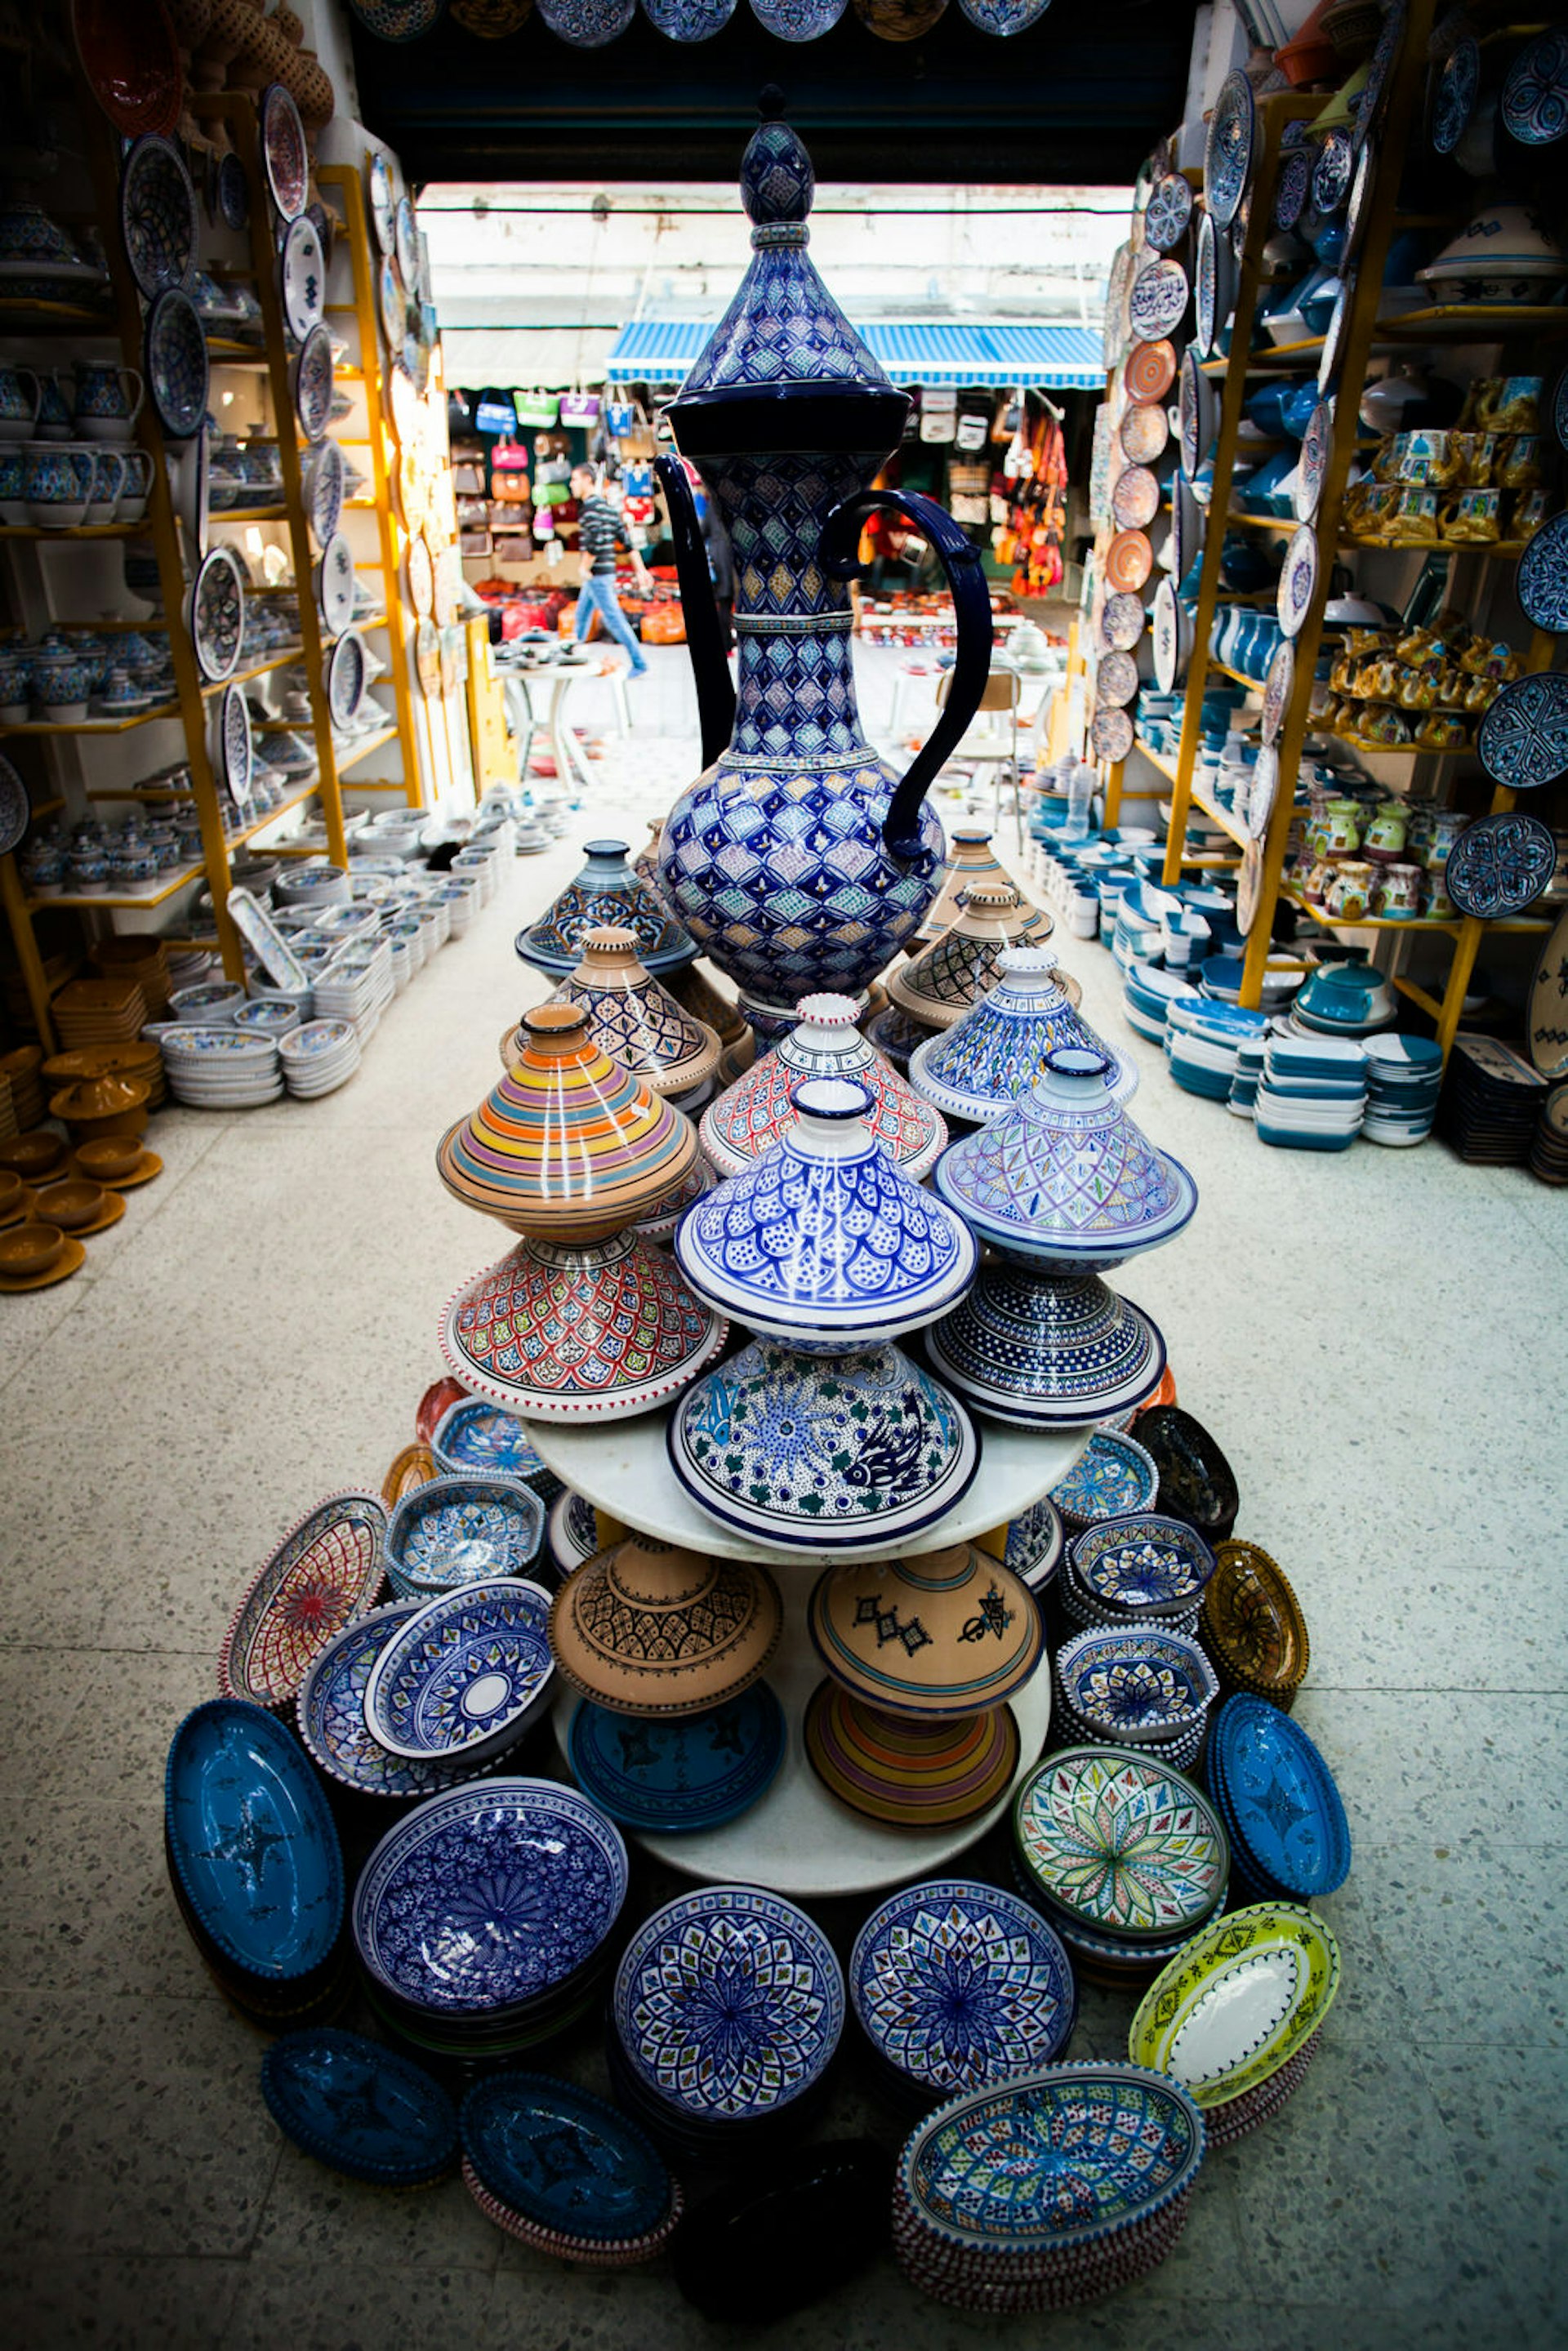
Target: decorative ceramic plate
[1238,2001]
[1548,1011]
[1332,172]
[455,1682]
[251,1842]
[310,372]
[301,278]
[1112,1478]
[157,214]
[1157,305]
[1298,579]
[1150,370]
[347,677]
[407,415]
[236,749]
[1205,287]
[327,1570]
[1533,108]
[1263,789]
[1072,2158]
[1136,1684]
[1144,432]
[260,933]
[335,584]
[1135,499]
[359,2108]
[1543,576]
[1252,1621]
[1199,414]
[1523,736]
[958,1984]
[1454,96]
[1279,1797]
[1129,560]
[1112,735]
[284,154]
[1141,1561]
[1292,188]
[1500,865]
[1169,211]
[1118,285]
[1228,151]
[175,354]
[1338,328]
[384,202]
[1390,38]
[475,1440]
[565,2160]
[16,809]
[1122,621]
[1116,679]
[1122,1842]
[324,480]
[1188,529]
[456,1530]
[1167,636]
[393,303]
[131,61]
[486,1897]
[668,1778]
[332,1713]
[232,192]
[1277,689]
[421,578]
[1312,466]
[215,616]
[427,657]
[1249,887]
[1358,206]
[405,240]
[728,2004]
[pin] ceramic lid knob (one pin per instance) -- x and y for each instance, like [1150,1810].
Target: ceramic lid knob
[1023,969]
[777,182]
[611,952]
[834,1012]
[555,1031]
[1073,1073]
[830,1116]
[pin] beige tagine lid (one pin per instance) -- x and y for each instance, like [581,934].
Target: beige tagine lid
[940,985]
[948,1632]
[633,1017]
[648,1628]
[971,860]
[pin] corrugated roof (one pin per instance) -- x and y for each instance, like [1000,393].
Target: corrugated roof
[936,351]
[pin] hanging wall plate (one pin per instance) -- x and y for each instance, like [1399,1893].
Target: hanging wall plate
[16,809]
[405,240]
[1332,173]
[335,584]
[175,353]
[157,214]
[1151,370]
[1543,576]
[1156,303]
[1523,736]
[1313,464]
[346,679]
[301,278]
[1199,414]
[284,154]
[215,615]
[421,578]
[311,371]
[1500,865]
[1228,153]
[1358,206]
[236,749]
[384,202]
[1277,686]
[1265,784]
[1298,579]
[1339,329]
[324,478]
[1168,213]
[1292,187]
[1454,95]
[1122,622]
[1205,314]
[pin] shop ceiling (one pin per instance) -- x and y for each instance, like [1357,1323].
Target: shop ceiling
[1080,96]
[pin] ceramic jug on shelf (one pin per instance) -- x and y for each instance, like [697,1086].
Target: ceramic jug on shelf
[798,861]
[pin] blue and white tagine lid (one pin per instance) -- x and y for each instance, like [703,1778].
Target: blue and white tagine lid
[980,1065]
[824,1242]
[1064,1177]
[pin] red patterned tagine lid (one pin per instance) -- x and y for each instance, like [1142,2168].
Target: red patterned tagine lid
[945,1633]
[941,984]
[647,1628]
[595,1331]
[569,1146]
[636,1021]
[748,1118]
[327,1570]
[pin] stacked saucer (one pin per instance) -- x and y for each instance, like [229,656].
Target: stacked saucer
[565,2173]
[1146,1687]
[1313,1093]
[1149,996]
[356,986]
[1141,1570]
[1549,1142]
[1242,1100]
[728,2008]
[274,1021]
[1288,1836]
[313,883]
[677,1775]
[482,1918]
[220,1069]
[330,1711]
[319,1058]
[453,1532]
[1202,1042]
[1404,1078]
[1490,1100]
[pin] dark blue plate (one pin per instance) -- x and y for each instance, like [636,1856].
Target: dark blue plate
[359,2108]
[670,1777]
[1284,1807]
[251,1840]
[563,2158]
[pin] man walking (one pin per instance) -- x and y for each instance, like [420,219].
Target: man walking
[600,532]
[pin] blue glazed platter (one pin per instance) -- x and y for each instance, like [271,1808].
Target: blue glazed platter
[1500,865]
[671,1778]
[1112,1478]
[1286,1815]
[251,1842]
[1543,576]
[1228,153]
[1524,734]
[360,2108]
[564,2159]
[957,1984]
[459,1681]
[729,2004]
[331,1712]
[456,1530]
[488,1897]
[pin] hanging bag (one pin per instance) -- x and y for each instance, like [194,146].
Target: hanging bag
[579,408]
[536,407]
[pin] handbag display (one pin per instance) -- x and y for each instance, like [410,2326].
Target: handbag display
[536,407]
[579,407]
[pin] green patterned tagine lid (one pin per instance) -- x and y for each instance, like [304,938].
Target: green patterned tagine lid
[952,1632]
[940,986]
[637,1021]
[606,891]
[1064,1179]
[979,1067]
[749,1117]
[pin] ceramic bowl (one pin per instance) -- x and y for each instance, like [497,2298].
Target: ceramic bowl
[111,1159]
[1196,1481]
[456,1531]
[1138,1687]
[13,1193]
[72,1205]
[33,1156]
[464,1677]
[30,1249]
[1141,1565]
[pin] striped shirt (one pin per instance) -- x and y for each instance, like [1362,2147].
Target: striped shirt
[600,533]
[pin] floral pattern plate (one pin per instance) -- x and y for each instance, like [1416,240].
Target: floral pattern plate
[327,1570]
[335,583]
[1228,151]
[1332,172]
[488,1895]
[1500,865]
[393,303]
[1523,736]
[1292,187]
[456,1530]
[1112,1478]
[217,615]
[1454,97]
[476,1437]
[957,1984]
[175,352]
[324,481]
[728,2004]
[251,1842]
[384,202]
[1298,579]
[1534,104]
[1124,1843]
[302,277]
[1542,577]
[236,749]
[1135,1684]
[1312,466]
[1277,687]
[157,214]
[284,154]
[1168,212]
[1143,1561]
[311,373]
[1238,2001]
[332,1713]
[455,1681]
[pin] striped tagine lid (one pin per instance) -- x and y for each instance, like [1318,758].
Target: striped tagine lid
[916,1775]
[971,861]
[569,1146]
[948,1632]
[940,986]
[636,1021]
[748,1118]
[649,1628]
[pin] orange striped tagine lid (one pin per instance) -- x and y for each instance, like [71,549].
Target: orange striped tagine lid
[569,1146]
[940,986]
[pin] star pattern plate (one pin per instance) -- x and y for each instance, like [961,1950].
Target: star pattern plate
[1127,1846]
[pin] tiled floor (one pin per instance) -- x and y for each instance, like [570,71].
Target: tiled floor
[1377,1341]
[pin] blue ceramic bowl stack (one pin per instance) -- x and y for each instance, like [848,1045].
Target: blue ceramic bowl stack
[1202,1041]
[1313,1093]
[1289,1840]
[1149,996]
[1113,1478]
[1147,1687]
[465,1679]
[565,2173]
[480,1439]
[1404,1078]
[1242,1100]
[1342,1000]
[1137,1571]
[462,1529]
[330,1711]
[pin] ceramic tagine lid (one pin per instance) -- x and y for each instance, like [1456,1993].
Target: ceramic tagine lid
[950,1632]
[648,1628]
[941,984]
[636,1021]
[824,1242]
[748,1118]
[569,1146]
[1048,1350]
[606,891]
[970,860]
[1064,1177]
[980,1065]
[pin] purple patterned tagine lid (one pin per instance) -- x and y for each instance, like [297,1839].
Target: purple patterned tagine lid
[980,1065]
[823,1243]
[749,1117]
[1064,1177]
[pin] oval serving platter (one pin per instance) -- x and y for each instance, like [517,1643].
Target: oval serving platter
[565,2161]
[359,2108]
[1238,2002]
[1280,1798]
[327,1570]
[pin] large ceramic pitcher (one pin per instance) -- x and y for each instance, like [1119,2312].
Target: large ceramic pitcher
[798,861]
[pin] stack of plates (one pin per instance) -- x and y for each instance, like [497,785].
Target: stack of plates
[466,1678]
[683,1774]
[1404,1078]
[331,1716]
[1289,1840]
[220,1069]
[475,1438]
[1220,976]
[356,985]
[562,2172]
[1047,2192]
[1489,1102]
[1241,1101]
[1313,1093]
[313,881]
[957,1984]
[1148,996]
[1136,1571]
[1252,1626]
[1548,1144]
[99,1012]
[452,1531]
[22,1070]
[727,2008]
[1146,1687]
[211,1005]
[318,1057]
[1126,1856]
[274,1021]
[1202,1041]
[461,900]
[482,1918]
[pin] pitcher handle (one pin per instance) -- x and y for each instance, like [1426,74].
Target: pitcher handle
[704,640]
[140,393]
[960,560]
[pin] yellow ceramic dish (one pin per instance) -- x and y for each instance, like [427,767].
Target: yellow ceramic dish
[1238,2002]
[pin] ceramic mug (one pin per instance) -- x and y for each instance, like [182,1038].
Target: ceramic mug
[57,483]
[13,506]
[135,489]
[1472,518]
[104,409]
[54,417]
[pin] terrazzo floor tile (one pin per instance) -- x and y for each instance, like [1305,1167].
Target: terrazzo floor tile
[1507,2121]
[91,2303]
[1399,1775]
[1474,1934]
[314,2214]
[87,1896]
[365,2304]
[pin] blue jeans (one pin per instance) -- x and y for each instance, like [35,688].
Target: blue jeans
[599,596]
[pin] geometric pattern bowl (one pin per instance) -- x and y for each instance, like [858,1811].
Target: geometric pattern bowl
[455,1683]
[458,1530]
[327,1570]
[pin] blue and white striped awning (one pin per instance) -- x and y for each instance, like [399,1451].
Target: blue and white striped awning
[913,351]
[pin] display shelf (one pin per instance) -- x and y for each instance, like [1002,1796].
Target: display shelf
[1237,676]
[73,531]
[92,726]
[1267,358]
[1482,323]
[218,516]
[1159,759]
[1221,817]
[387,734]
[1450,927]
[141,900]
